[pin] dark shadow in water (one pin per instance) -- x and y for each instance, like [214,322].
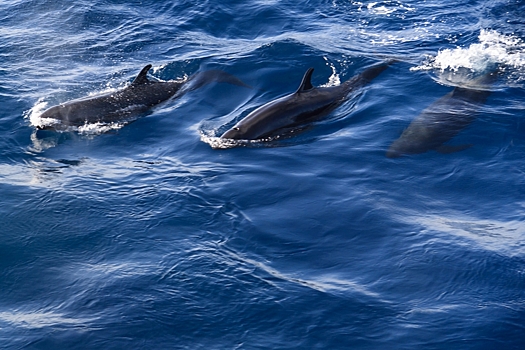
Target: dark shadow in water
[444,119]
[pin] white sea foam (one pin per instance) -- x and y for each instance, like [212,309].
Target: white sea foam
[388,7]
[97,128]
[34,114]
[334,79]
[218,143]
[493,49]
[210,137]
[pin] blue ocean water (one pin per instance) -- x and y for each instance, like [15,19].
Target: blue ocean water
[150,236]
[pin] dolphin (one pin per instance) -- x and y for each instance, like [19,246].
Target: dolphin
[305,105]
[133,100]
[443,120]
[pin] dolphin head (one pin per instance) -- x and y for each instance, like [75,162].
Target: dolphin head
[247,131]
[234,133]
[51,118]
[55,112]
[263,121]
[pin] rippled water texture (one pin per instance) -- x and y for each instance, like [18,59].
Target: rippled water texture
[154,233]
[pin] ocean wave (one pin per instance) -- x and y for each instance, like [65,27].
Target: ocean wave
[493,49]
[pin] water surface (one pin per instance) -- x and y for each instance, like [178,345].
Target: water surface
[143,235]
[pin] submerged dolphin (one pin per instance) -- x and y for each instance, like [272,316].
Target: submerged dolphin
[122,105]
[443,120]
[307,104]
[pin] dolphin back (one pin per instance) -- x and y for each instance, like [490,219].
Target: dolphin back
[306,104]
[201,79]
[444,119]
[368,75]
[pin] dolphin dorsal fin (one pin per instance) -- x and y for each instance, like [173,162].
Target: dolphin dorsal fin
[142,78]
[306,83]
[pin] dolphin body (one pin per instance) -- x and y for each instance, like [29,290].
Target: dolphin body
[307,104]
[124,104]
[443,120]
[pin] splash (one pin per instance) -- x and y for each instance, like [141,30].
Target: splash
[493,49]
[97,128]
[34,114]
[216,142]
[334,79]
[388,7]
[211,137]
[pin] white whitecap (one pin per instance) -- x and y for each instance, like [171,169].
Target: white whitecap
[492,49]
